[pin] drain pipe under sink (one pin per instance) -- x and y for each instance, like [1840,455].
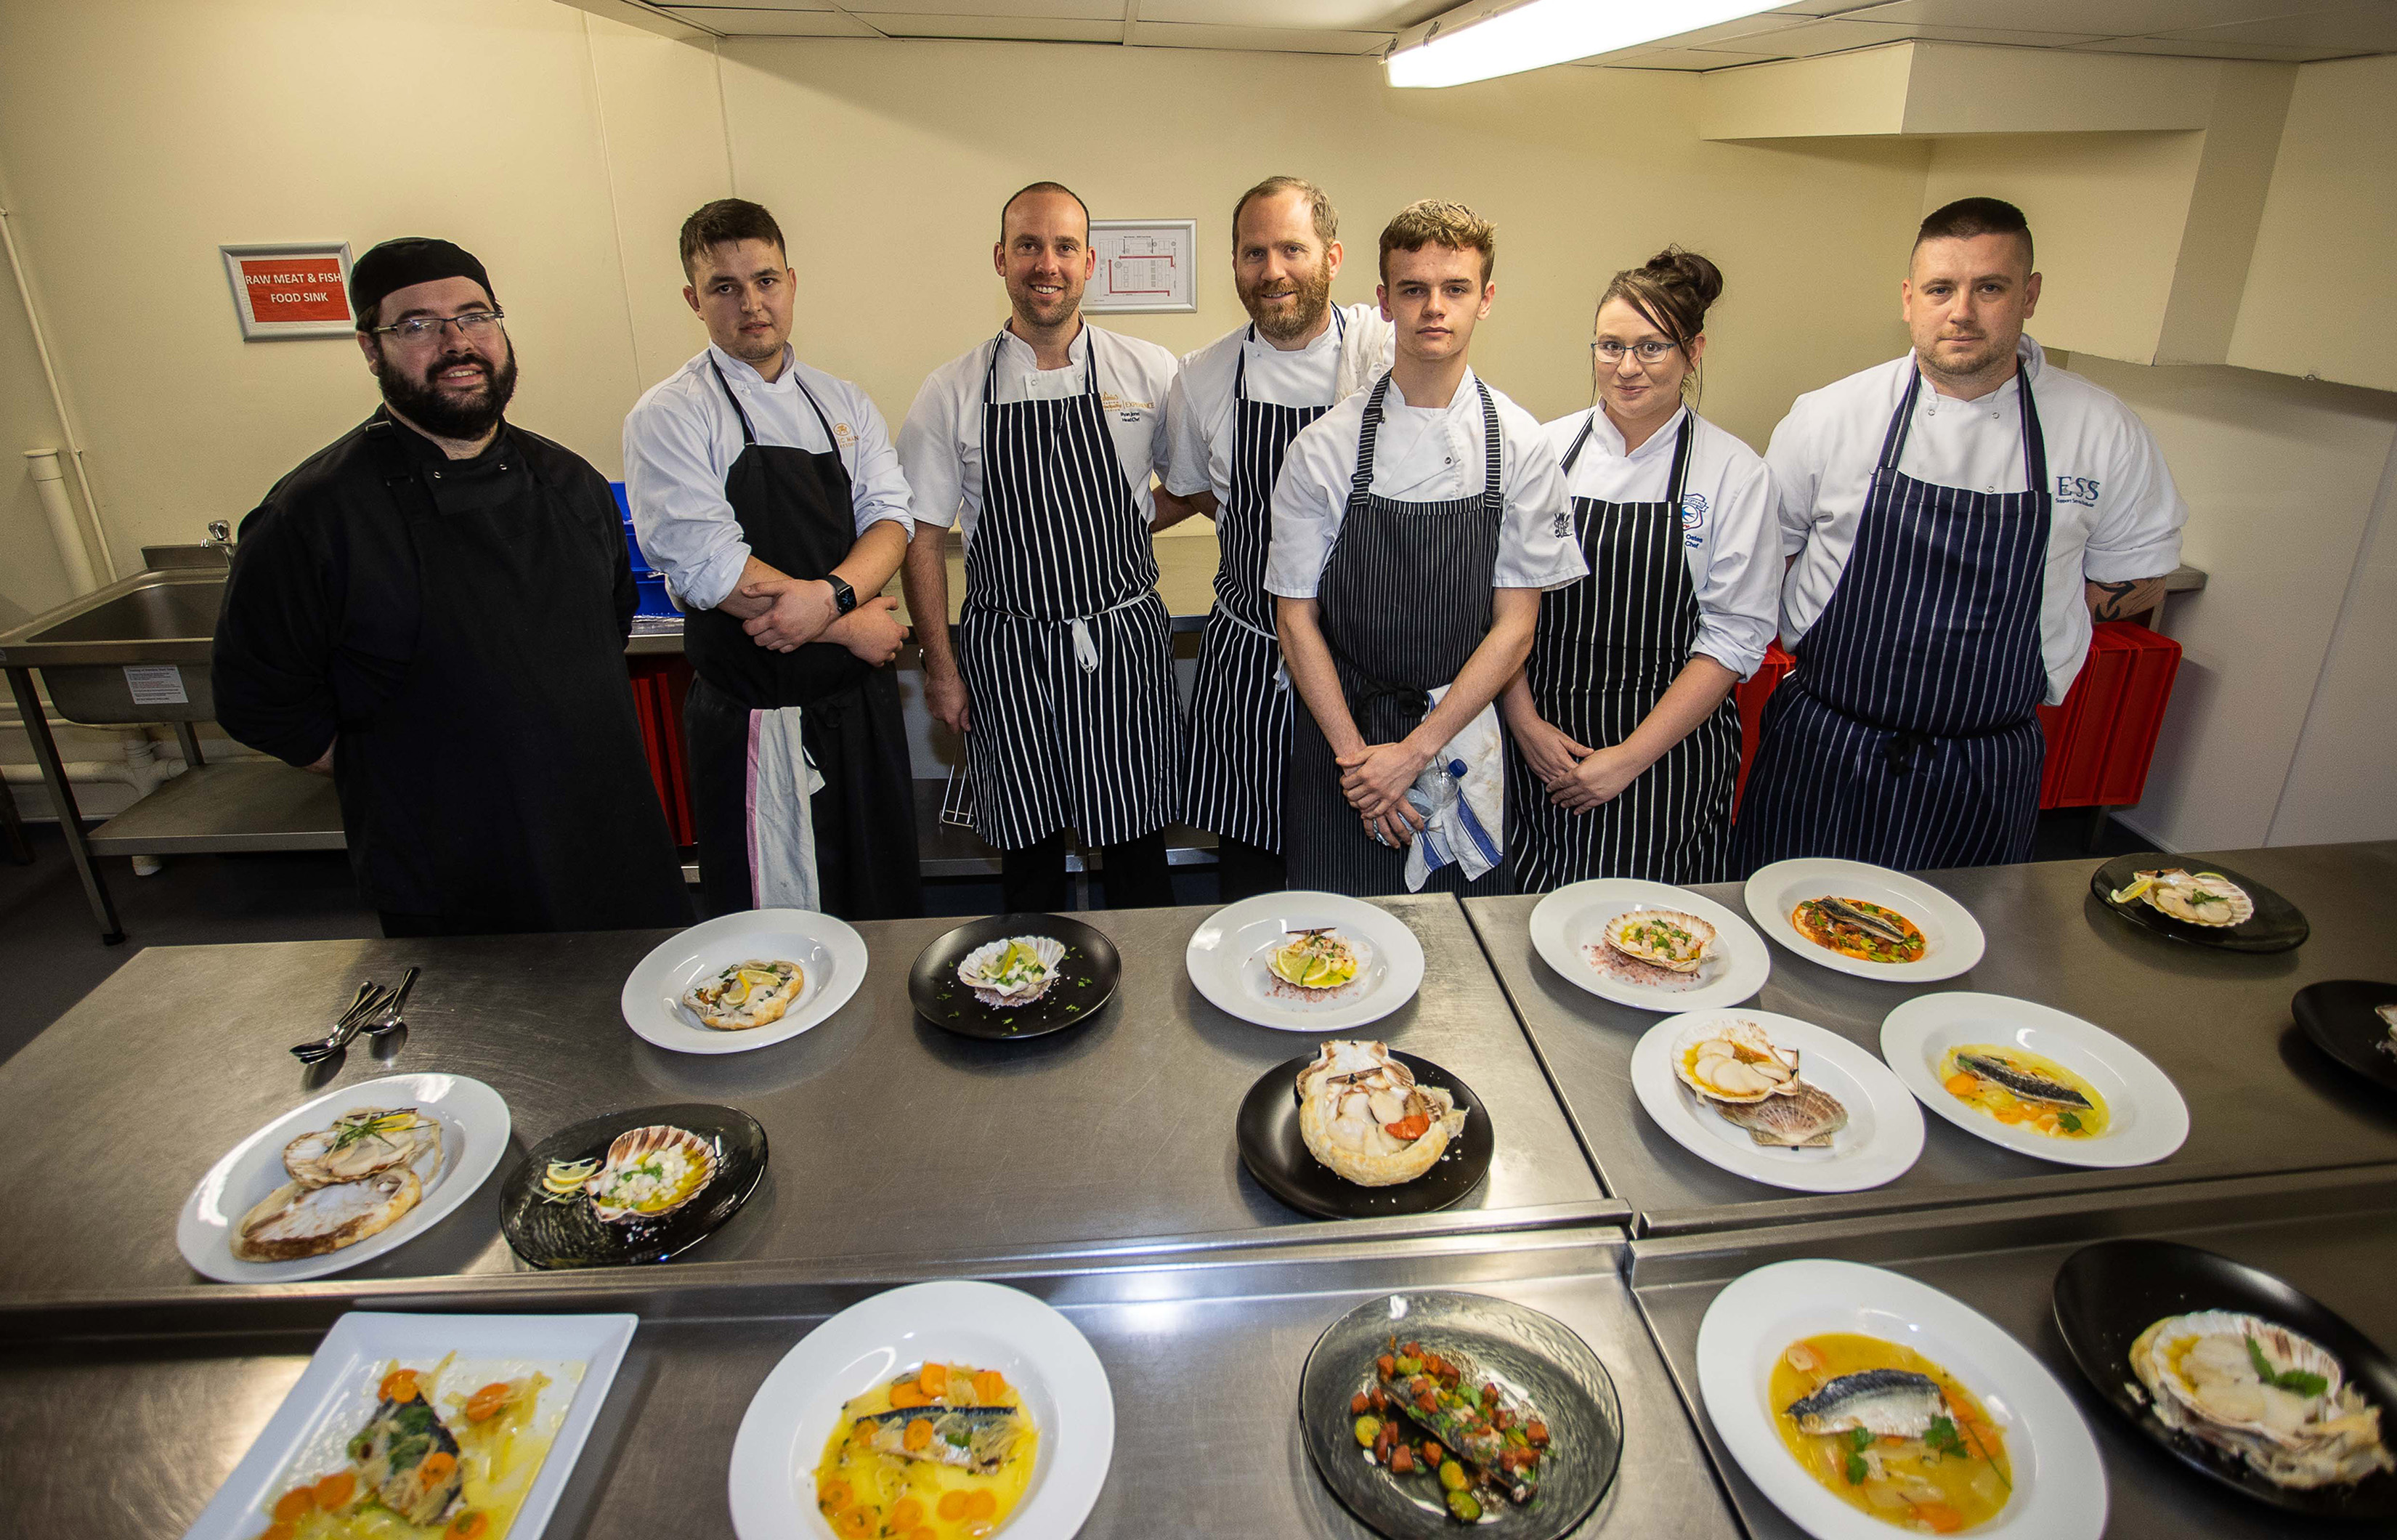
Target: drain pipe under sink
[142,767]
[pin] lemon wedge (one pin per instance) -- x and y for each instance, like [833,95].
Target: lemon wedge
[2138,888]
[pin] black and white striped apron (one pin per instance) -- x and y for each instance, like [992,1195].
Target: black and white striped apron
[1407,591]
[1907,733]
[1607,649]
[1065,648]
[1239,711]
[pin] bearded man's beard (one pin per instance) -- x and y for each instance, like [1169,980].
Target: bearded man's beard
[1313,296]
[449,414]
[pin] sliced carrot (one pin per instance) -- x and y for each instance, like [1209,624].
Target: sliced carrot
[1960,1084]
[989,1385]
[399,1385]
[934,1380]
[953,1506]
[919,1434]
[834,1495]
[923,1532]
[296,1504]
[980,1506]
[855,1523]
[906,1513]
[905,1395]
[470,1525]
[485,1404]
[1942,1519]
[334,1490]
[439,1466]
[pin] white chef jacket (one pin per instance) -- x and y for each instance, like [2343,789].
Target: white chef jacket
[2117,514]
[1728,535]
[680,441]
[1424,454]
[1199,420]
[940,442]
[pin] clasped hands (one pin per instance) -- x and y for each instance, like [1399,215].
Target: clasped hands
[1375,779]
[803,609]
[1578,776]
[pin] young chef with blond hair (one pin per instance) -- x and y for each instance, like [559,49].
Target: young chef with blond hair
[1414,526]
[1955,518]
[1234,409]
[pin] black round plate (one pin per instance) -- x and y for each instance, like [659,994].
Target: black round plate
[2276,926]
[1091,970]
[569,1235]
[2339,1015]
[2107,1293]
[1277,1155]
[1541,1364]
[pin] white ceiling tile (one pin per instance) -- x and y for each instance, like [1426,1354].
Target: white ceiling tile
[1368,16]
[2169,48]
[678,6]
[1899,32]
[2105,18]
[1177,35]
[1047,10]
[772,23]
[2370,28]
[1673,58]
[1028,29]
[1763,24]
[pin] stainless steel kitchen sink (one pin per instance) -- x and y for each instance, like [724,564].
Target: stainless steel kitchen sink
[154,620]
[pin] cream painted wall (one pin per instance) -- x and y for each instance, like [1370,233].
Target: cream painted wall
[1583,172]
[2280,476]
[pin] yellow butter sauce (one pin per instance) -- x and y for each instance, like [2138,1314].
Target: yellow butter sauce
[866,1495]
[1957,1479]
[2048,1118]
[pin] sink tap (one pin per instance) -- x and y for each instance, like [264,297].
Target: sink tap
[220,538]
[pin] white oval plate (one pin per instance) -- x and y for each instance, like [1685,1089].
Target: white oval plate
[2059,1483]
[475,1125]
[1952,941]
[1881,1144]
[1568,930]
[1050,1364]
[1227,958]
[2145,1117]
[829,953]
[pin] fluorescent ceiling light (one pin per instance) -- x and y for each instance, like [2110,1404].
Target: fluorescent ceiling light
[1505,39]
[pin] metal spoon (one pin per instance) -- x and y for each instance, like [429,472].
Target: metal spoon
[388,1018]
[367,993]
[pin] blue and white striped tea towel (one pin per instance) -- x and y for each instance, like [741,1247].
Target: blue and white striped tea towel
[1463,796]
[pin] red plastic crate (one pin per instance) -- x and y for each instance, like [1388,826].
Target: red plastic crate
[2099,741]
[658,685]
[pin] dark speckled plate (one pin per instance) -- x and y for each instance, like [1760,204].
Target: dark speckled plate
[2107,1293]
[2276,926]
[570,1235]
[1277,1155]
[2343,1018]
[1542,1367]
[1090,971]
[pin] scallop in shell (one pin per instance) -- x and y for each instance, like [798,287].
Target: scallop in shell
[2199,898]
[650,1172]
[1011,970]
[1661,938]
[2204,1365]
[1735,1061]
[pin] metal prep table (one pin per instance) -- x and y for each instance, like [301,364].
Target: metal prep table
[2261,1098]
[1203,1361]
[890,1137]
[2331,1237]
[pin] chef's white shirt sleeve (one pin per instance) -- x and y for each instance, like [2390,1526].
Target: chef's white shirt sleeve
[1739,595]
[1536,548]
[1186,472]
[2137,532]
[687,529]
[1794,456]
[929,453]
[1309,499]
[881,493]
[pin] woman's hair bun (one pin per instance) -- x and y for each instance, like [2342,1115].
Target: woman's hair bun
[1673,264]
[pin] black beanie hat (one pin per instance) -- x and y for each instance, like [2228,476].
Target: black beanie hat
[402,263]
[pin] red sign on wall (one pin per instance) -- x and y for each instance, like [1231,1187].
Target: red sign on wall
[290,290]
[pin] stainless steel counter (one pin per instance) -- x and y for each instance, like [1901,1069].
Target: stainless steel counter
[890,1137]
[2333,1241]
[2260,1098]
[1203,1363]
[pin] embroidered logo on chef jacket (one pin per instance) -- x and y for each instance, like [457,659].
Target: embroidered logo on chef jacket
[844,435]
[2076,488]
[1563,529]
[1128,411]
[1693,518]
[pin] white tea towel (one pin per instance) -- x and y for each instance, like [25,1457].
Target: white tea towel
[781,829]
[1463,796]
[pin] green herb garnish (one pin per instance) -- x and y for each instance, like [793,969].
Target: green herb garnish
[2295,1381]
[2068,1121]
[1942,1439]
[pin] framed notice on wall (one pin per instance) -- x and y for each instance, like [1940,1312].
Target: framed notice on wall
[294,289]
[1143,265]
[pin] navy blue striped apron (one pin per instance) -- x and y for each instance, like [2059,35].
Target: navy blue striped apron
[1908,734]
[1404,601]
[1607,649]
[1066,650]
[1241,709]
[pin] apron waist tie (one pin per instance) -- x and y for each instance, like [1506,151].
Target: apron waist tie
[1900,750]
[1281,668]
[1085,650]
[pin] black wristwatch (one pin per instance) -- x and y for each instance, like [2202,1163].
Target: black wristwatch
[844,597]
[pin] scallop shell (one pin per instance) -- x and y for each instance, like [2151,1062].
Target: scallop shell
[974,972]
[2170,896]
[1701,935]
[1757,1070]
[2212,1381]
[629,1148]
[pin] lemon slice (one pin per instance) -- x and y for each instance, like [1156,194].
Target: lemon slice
[2136,888]
[1322,973]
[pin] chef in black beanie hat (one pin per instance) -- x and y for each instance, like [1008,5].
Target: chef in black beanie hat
[432,610]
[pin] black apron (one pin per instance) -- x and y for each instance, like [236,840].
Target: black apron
[1607,649]
[797,514]
[1907,733]
[501,785]
[1066,650]
[1404,601]
[1240,705]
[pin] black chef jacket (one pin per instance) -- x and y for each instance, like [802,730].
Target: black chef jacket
[459,624]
